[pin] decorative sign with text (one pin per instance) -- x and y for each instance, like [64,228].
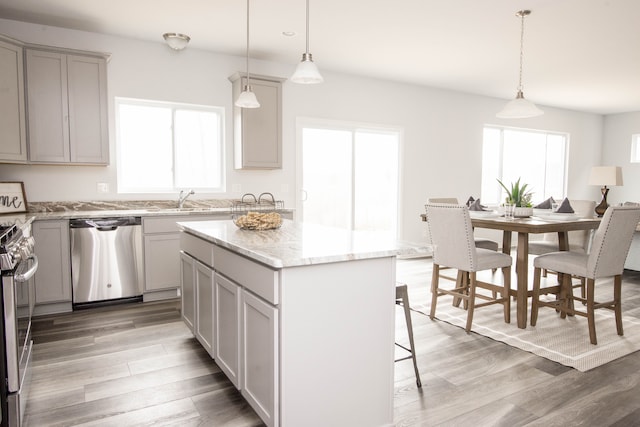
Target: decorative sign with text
[12,197]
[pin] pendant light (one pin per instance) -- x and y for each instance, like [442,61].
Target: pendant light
[520,108]
[247,98]
[307,71]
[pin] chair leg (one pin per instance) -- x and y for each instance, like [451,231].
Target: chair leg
[590,311]
[459,281]
[564,298]
[536,296]
[472,300]
[506,279]
[617,293]
[407,316]
[434,290]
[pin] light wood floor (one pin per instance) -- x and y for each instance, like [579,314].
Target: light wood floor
[138,365]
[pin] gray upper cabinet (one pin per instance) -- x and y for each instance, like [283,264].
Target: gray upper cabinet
[13,141]
[66,107]
[257,132]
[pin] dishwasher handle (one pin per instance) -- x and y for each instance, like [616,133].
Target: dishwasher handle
[104,224]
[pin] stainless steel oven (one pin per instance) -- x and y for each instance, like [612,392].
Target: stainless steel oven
[18,264]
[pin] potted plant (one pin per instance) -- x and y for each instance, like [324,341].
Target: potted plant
[520,197]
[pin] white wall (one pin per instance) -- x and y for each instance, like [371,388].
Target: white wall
[442,129]
[616,151]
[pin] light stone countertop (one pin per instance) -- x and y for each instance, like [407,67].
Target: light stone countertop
[296,243]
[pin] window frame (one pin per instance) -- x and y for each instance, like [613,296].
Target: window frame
[498,189]
[635,148]
[173,107]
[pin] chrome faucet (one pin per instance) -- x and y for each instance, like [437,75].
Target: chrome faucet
[182,199]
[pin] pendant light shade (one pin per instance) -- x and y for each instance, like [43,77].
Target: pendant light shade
[307,71]
[520,108]
[247,99]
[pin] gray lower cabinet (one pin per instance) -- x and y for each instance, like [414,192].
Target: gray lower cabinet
[245,319]
[187,272]
[13,140]
[227,314]
[161,237]
[259,356]
[53,278]
[198,300]
[204,306]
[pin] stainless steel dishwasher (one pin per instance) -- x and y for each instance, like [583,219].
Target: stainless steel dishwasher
[106,260]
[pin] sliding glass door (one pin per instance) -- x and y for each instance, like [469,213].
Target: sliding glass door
[348,175]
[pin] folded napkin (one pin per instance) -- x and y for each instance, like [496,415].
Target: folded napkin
[546,204]
[476,206]
[565,207]
[470,200]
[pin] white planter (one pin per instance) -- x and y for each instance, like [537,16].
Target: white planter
[523,212]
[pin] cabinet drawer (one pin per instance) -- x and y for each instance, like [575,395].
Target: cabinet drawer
[257,278]
[162,224]
[197,248]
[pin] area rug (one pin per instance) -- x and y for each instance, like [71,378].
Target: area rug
[565,341]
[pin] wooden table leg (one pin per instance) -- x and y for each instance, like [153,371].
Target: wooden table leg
[563,241]
[522,273]
[506,242]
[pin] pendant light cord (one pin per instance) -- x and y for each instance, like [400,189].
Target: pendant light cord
[522,14]
[307,27]
[248,43]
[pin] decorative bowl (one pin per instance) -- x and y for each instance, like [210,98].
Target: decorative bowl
[258,220]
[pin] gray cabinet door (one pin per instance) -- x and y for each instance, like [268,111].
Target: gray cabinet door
[13,140]
[187,270]
[53,278]
[48,107]
[258,131]
[67,108]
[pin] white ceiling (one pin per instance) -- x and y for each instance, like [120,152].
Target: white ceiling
[579,54]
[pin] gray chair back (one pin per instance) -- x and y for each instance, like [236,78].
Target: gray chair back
[452,236]
[611,241]
[449,200]
[582,238]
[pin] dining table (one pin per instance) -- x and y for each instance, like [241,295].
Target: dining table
[525,227]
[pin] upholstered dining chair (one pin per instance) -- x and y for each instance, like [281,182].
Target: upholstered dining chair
[579,241]
[608,253]
[480,243]
[454,247]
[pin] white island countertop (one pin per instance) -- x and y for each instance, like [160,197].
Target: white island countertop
[296,243]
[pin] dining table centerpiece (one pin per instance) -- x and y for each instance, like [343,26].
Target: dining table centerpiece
[520,196]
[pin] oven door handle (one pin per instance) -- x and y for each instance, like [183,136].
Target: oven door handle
[23,277]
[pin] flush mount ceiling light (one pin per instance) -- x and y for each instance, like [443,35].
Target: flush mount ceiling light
[520,108]
[247,98]
[176,41]
[306,71]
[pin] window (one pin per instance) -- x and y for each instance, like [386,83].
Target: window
[635,148]
[537,157]
[164,147]
[349,175]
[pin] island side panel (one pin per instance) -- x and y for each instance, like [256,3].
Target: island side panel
[337,328]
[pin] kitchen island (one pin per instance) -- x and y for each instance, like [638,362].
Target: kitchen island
[301,319]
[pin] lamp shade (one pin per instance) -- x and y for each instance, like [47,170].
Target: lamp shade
[247,99]
[519,108]
[176,41]
[307,72]
[606,175]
